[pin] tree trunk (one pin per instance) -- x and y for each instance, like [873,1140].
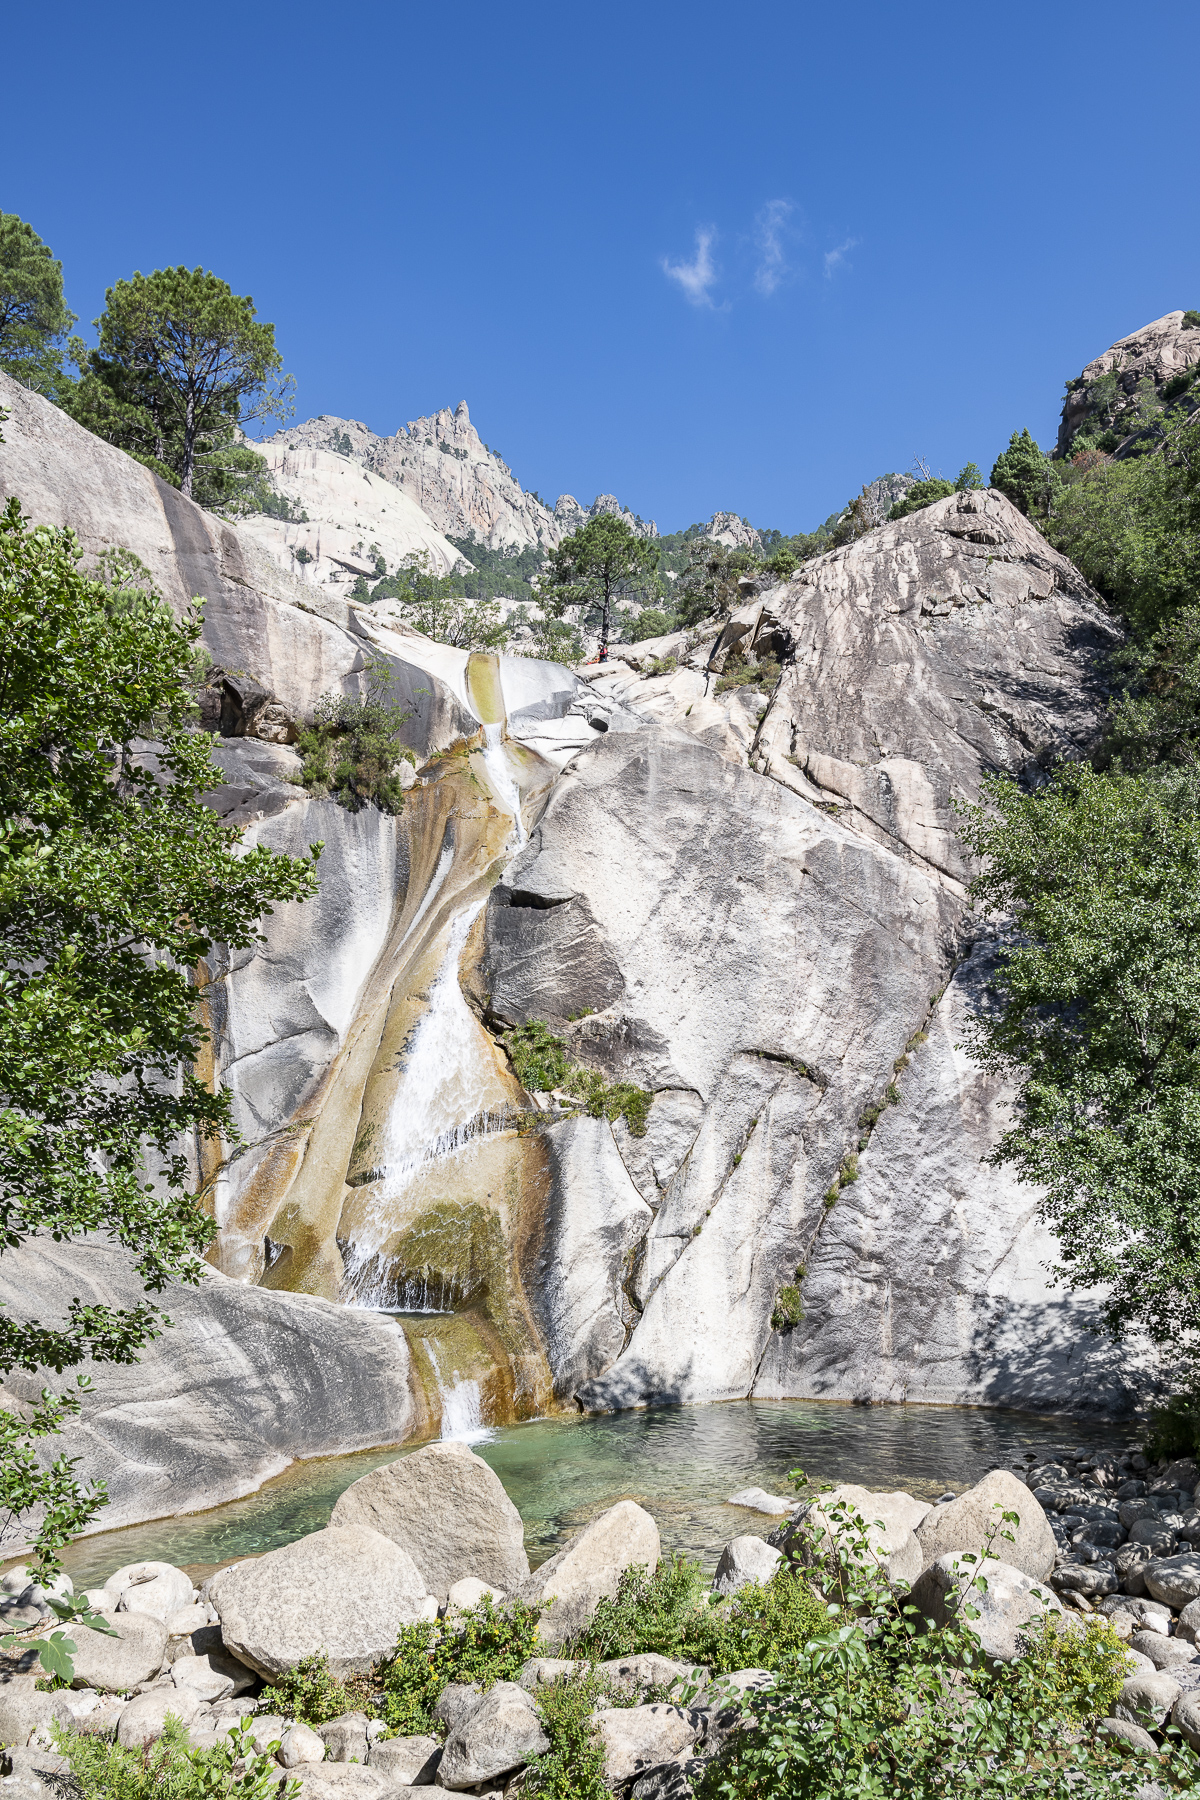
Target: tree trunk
[189,446]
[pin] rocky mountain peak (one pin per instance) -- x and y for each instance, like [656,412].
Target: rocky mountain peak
[1126,387]
[738,534]
[465,489]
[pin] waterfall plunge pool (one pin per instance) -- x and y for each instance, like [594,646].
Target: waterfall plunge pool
[681,1463]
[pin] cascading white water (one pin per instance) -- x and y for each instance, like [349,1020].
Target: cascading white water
[440,1105]
[462,1408]
[504,785]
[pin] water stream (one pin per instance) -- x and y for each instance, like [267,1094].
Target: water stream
[681,1463]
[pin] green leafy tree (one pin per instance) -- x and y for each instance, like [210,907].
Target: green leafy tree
[182,366]
[1156,722]
[920,494]
[1024,475]
[1133,528]
[439,607]
[708,586]
[1097,1015]
[115,880]
[34,317]
[603,558]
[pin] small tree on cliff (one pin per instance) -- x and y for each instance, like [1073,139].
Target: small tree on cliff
[183,362]
[602,558]
[115,880]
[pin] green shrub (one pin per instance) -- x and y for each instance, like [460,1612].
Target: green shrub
[920,494]
[485,1645]
[662,665]
[788,1310]
[672,1612]
[1079,1673]
[649,1612]
[573,1767]
[353,746]
[759,1627]
[1175,1427]
[168,1770]
[873,1703]
[652,622]
[542,1062]
[1191,319]
[309,1693]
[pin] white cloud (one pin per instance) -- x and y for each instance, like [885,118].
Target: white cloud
[697,277]
[769,228]
[836,259]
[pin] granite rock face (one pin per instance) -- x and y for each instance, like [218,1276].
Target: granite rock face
[950,644]
[713,940]
[245,1382]
[1140,365]
[927,1280]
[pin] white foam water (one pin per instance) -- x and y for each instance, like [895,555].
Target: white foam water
[499,770]
[438,1108]
[462,1404]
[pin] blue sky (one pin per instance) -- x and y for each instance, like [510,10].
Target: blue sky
[699,257]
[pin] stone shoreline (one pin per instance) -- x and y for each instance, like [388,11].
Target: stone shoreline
[435,1535]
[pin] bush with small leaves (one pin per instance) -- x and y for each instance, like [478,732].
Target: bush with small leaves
[310,1693]
[169,1770]
[485,1645]
[573,1767]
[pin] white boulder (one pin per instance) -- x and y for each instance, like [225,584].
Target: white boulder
[501,1734]
[344,1591]
[1006,1600]
[144,1719]
[448,1511]
[589,1568]
[156,1588]
[116,1664]
[974,1518]
[744,1560]
[637,1738]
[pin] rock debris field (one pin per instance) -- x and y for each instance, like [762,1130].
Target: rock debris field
[434,1537]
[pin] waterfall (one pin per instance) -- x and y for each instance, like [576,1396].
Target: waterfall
[440,1105]
[504,786]
[462,1408]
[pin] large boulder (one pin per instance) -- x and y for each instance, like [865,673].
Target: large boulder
[888,1521]
[1008,1605]
[116,1664]
[244,1382]
[448,1511]
[637,1738]
[968,1523]
[345,1591]
[157,1588]
[501,1734]
[1146,1699]
[589,1568]
[412,1760]
[25,1708]
[1175,1580]
[744,1560]
[145,1718]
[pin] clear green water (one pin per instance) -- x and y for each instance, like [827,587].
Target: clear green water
[681,1463]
